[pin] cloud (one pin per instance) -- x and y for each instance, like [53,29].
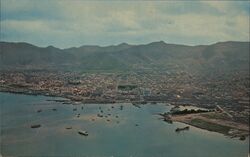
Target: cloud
[230,7]
[65,23]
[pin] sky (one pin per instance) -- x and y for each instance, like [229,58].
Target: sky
[72,23]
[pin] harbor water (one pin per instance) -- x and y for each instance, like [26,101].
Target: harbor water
[117,130]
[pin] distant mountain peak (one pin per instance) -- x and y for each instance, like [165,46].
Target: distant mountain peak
[50,47]
[235,55]
[161,42]
[90,46]
[158,43]
[123,44]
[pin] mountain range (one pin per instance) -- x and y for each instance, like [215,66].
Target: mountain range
[230,55]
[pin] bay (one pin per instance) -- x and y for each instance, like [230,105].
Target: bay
[126,132]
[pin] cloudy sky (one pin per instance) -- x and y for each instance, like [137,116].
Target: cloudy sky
[66,23]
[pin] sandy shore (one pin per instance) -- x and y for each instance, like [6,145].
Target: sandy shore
[214,121]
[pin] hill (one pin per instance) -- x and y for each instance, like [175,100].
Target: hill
[222,56]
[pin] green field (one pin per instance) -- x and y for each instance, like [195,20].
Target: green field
[210,126]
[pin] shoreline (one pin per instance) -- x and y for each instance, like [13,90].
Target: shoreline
[227,128]
[71,98]
[175,118]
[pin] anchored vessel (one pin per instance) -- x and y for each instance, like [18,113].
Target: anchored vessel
[35,126]
[85,133]
[182,129]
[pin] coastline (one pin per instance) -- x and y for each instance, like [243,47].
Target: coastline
[71,98]
[228,128]
[99,128]
[185,119]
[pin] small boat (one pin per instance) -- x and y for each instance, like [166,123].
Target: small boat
[39,111]
[136,105]
[144,102]
[85,133]
[54,109]
[35,126]
[182,129]
[242,138]
[99,115]
[66,103]
[68,128]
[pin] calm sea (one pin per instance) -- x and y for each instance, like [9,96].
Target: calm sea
[126,132]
